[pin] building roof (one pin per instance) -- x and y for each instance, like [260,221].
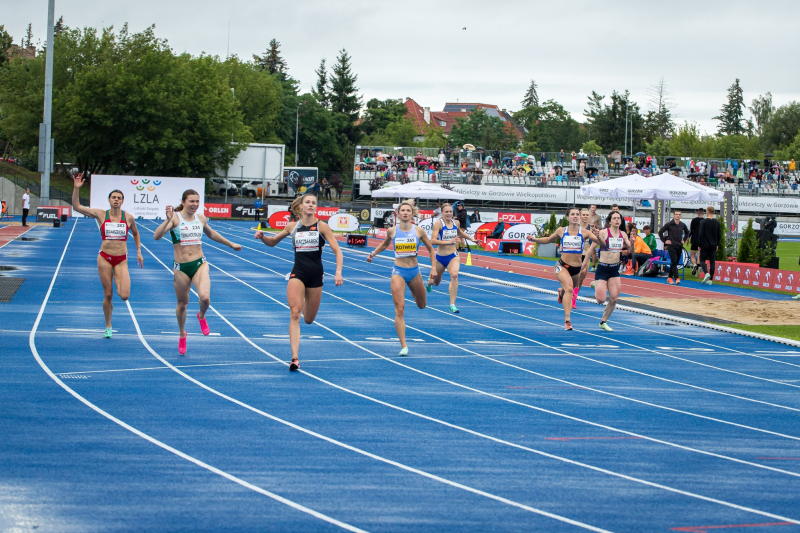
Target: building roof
[446,118]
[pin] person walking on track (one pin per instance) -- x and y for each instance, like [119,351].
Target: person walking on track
[569,266]
[406,238]
[673,234]
[709,238]
[186,228]
[694,236]
[445,236]
[607,279]
[304,287]
[112,261]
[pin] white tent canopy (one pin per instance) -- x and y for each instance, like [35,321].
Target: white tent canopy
[417,189]
[659,187]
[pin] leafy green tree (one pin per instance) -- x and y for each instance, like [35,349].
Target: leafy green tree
[320,92]
[792,151]
[5,43]
[551,127]
[272,61]
[258,97]
[748,245]
[380,113]
[686,141]
[531,98]
[59,25]
[761,109]
[608,123]
[782,127]
[595,108]
[479,129]
[591,146]
[551,226]
[318,142]
[731,114]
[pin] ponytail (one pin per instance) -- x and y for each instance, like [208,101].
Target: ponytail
[412,204]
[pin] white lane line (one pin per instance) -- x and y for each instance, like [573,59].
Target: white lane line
[145,436]
[342,444]
[609,472]
[735,424]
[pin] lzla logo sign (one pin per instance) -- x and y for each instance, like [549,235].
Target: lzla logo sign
[144,188]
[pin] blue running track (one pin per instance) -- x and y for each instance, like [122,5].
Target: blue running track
[498,420]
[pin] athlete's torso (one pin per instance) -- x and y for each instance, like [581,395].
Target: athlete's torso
[406,246]
[187,238]
[308,243]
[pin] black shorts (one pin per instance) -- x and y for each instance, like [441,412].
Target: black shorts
[573,271]
[694,246]
[310,278]
[606,271]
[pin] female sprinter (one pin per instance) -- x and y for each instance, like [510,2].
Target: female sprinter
[586,226]
[606,278]
[304,290]
[186,227]
[446,235]
[568,268]
[406,237]
[112,262]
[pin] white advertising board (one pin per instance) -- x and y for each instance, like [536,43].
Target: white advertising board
[145,196]
[343,222]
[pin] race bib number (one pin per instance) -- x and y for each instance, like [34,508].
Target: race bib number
[306,241]
[615,244]
[405,247]
[191,235]
[571,243]
[115,231]
[449,234]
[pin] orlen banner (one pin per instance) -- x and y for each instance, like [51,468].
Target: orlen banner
[217,210]
[343,222]
[750,274]
[324,213]
[145,196]
[278,219]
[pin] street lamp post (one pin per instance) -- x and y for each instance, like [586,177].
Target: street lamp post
[45,131]
[296,131]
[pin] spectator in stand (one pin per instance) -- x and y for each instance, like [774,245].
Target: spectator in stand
[561,157]
[326,187]
[441,158]
[710,238]
[461,216]
[792,166]
[475,216]
[574,161]
[543,159]
[694,235]
[649,239]
[673,234]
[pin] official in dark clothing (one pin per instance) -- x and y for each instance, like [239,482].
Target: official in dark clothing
[673,235]
[461,216]
[710,238]
[694,228]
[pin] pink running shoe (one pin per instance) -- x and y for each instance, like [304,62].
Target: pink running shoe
[575,292]
[203,325]
[574,303]
[182,345]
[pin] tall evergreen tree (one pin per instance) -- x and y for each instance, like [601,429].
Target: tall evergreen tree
[659,122]
[731,114]
[6,40]
[531,98]
[60,26]
[595,104]
[272,60]
[343,91]
[320,92]
[28,39]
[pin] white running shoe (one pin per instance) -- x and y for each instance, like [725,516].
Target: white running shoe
[707,279]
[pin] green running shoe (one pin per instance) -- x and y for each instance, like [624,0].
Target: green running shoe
[592,284]
[404,351]
[605,326]
[429,287]
[107,334]
[454,309]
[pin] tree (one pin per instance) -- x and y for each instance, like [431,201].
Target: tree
[258,97]
[480,129]
[380,113]
[591,147]
[782,127]
[531,98]
[792,151]
[344,98]
[59,26]
[609,124]
[5,43]
[748,246]
[595,104]
[658,122]
[272,60]
[761,109]
[28,39]
[320,92]
[550,128]
[318,140]
[731,114]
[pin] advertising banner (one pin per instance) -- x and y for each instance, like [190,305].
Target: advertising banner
[520,232]
[278,219]
[243,210]
[48,214]
[217,210]
[343,222]
[324,213]
[727,213]
[301,178]
[752,275]
[515,218]
[145,196]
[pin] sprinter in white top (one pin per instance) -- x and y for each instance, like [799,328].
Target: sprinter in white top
[445,236]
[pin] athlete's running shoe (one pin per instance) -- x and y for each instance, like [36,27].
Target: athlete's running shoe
[592,284]
[561,295]
[182,346]
[429,287]
[404,351]
[107,334]
[677,281]
[568,325]
[294,366]
[670,281]
[694,270]
[605,326]
[454,309]
[707,279]
[593,269]
[797,297]
[574,303]
[203,325]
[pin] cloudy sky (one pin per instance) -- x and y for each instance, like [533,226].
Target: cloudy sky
[418,49]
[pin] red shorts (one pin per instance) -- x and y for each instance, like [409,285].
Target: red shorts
[114,259]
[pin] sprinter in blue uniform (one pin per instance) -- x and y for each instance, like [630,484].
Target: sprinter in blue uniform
[446,235]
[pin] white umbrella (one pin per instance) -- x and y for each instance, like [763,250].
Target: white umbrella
[417,189]
[659,187]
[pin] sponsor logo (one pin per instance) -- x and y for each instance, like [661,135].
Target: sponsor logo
[279,219]
[515,218]
[635,191]
[678,193]
[324,213]
[217,210]
[244,211]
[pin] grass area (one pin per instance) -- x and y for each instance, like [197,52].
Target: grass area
[24,178]
[788,252]
[787,332]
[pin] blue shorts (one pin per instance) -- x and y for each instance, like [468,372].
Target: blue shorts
[407,273]
[445,259]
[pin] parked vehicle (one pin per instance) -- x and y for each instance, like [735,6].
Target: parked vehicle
[219,186]
[252,188]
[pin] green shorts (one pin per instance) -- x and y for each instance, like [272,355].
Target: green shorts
[190,268]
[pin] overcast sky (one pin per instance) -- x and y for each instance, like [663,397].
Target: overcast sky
[418,49]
